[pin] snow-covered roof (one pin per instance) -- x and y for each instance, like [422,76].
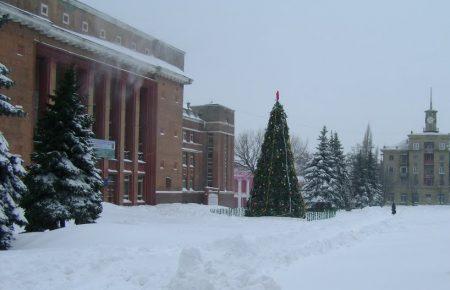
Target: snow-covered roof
[429,134]
[191,115]
[119,23]
[403,145]
[122,55]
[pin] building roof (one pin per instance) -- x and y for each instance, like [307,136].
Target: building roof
[191,115]
[429,134]
[214,105]
[115,21]
[403,145]
[122,55]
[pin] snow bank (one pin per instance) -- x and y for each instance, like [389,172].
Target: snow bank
[187,247]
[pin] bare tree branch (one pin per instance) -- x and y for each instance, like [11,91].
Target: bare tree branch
[248,147]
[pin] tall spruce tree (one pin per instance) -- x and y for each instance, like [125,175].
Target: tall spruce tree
[359,184]
[374,180]
[275,191]
[11,169]
[62,180]
[340,184]
[365,178]
[317,190]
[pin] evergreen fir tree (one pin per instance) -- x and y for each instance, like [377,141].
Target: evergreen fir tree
[62,180]
[11,170]
[365,178]
[374,183]
[317,190]
[340,184]
[394,208]
[275,191]
[360,190]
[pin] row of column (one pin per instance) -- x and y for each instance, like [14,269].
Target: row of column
[240,193]
[107,105]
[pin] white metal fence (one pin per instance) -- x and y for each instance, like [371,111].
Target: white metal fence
[309,216]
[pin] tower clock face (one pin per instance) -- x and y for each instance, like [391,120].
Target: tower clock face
[430,120]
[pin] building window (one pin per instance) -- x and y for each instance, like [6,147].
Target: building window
[391,170]
[111,187]
[429,158]
[126,188]
[133,45]
[404,198]
[191,160]
[404,159]
[85,26]
[209,161]
[191,179]
[175,134]
[184,180]
[403,170]
[429,146]
[184,159]
[442,146]
[140,188]
[184,136]
[44,9]
[415,170]
[147,51]
[442,198]
[102,34]
[191,137]
[415,198]
[175,166]
[416,146]
[428,180]
[168,183]
[119,39]
[391,157]
[161,164]
[161,132]
[441,170]
[66,18]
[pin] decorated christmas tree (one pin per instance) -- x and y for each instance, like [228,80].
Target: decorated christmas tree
[11,170]
[63,182]
[275,191]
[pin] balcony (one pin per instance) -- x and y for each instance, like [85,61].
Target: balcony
[428,180]
[428,149]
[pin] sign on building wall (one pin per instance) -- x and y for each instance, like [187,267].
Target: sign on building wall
[104,148]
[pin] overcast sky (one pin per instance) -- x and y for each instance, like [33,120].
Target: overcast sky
[342,64]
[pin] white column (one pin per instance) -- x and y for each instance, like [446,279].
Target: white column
[239,193]
[247,190]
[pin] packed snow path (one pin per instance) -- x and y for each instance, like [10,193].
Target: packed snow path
[187,247]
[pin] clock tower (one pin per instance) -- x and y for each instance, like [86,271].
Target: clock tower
[430,117]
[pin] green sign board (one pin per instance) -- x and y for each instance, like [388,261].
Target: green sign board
[104,148]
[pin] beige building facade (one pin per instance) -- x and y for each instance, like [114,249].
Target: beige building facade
[416,171]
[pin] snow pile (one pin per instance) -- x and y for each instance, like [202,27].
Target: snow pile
[187,247]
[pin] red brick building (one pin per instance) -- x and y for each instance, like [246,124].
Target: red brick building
[133,85]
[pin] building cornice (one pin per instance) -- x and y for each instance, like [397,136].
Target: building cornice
[119,23]
[46,27]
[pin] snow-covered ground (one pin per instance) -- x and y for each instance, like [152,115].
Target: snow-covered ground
[187,247]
